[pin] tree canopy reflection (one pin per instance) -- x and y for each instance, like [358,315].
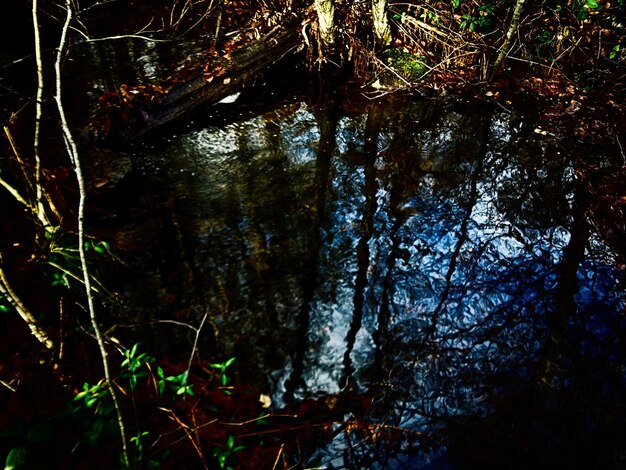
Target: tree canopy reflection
[435,256]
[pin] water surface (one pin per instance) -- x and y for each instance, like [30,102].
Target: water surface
[431,254]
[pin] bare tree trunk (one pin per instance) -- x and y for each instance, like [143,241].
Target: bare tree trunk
[504,50]
[326,19]
[382,31]
[72,150]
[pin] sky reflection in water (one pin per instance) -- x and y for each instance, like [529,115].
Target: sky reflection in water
[416,251]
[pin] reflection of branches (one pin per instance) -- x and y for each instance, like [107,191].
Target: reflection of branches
[463,231]
[328,127]
[372,129]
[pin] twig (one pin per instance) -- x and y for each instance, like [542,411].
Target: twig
[73,153]
[18,158]
[408,19]
[195,343]
[76,277]
[189,431]
[9,386]
[17,196]
[280,452]
[23,311]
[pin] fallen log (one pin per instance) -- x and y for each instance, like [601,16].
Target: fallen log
[134,117]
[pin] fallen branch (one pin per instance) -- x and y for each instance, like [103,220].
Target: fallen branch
[204,87]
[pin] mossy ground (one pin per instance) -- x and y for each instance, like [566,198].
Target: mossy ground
[401,67]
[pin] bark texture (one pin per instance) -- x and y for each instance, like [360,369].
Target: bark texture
[326,19]
[508,40]
[382,30]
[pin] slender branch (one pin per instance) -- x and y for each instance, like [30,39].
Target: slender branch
[621,149]
[38,105]
[73,153]
[504,50]
[195,342]
[23,311]
[16,195]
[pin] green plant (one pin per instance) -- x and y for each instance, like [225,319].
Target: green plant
[62,254]
[545,37]
[222,368]
[583,8]
[224,454]
[98,246]
[135,363]
[615,51]
[139,441]
[409,67]
[177,382]
[4,304]
[429,17]
[16,458]
[92,395]
[482,20]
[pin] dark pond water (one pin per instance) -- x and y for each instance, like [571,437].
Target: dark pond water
[432,254]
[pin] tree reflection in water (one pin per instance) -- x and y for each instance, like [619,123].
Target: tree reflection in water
[433,255]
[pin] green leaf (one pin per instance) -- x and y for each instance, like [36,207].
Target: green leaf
[230,442]
[16,458]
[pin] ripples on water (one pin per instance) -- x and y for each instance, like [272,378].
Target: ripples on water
[418,251]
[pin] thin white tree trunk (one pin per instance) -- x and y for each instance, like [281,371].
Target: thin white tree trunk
[39,211]
[326,19]
[73,152]
[382,30]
